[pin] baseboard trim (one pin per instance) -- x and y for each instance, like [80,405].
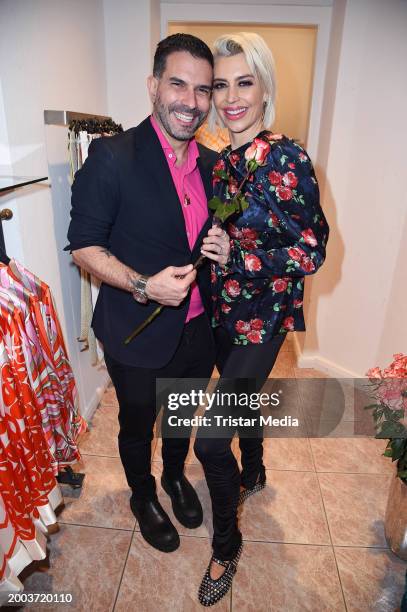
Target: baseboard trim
[90,409]
[320,363]
[326,366]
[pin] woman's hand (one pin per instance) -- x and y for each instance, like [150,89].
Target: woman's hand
[216,245]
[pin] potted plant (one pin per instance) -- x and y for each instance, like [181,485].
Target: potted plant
[389,389]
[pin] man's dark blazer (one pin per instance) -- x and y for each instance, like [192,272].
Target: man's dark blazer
[124,199]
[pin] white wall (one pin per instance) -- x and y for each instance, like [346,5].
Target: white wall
[358,300]
[131,33]
[51,56]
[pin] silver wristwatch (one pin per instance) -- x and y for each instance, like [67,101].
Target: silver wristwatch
[139,289]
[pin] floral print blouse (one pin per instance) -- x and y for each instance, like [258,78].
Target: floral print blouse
[275,242]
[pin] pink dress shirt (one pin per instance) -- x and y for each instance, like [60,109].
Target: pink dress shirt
[192,197]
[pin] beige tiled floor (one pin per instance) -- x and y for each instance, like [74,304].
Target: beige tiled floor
[314,538]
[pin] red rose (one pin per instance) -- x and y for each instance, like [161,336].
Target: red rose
[252,263]
[213,276]
[297,303]
[290,180]
[274,219]
[309,237]
[242,327]
[256,324]
[288,323]
[279,285]
[284,193]
[254,337]
[307,264]
[225,308]
[232,288]
[296,253]
[249,233]
[291,165]
[257,151]
[302,157]
[275,178]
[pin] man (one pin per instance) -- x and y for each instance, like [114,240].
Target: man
[139,218]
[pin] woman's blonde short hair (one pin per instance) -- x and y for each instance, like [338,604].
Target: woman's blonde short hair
[260,61]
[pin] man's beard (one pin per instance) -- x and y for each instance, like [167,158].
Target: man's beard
[178,132]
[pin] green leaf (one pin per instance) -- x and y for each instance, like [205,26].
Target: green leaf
[222,174]
[276,308]
[398,447]
[283,159]
[214,203]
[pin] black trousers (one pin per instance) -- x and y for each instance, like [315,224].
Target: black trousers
[253,362]
[136,393]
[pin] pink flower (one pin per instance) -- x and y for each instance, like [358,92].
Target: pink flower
[225,308]
[257,151]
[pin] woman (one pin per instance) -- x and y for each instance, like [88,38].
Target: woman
[277,240]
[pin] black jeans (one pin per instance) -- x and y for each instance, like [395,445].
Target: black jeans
[136,393]
[253,362]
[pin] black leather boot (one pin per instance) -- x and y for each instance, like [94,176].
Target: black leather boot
[185,502]
[155,524]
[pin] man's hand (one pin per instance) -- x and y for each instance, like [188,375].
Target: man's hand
[216,245]
[170,286]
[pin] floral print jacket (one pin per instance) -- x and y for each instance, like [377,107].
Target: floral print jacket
[275,242]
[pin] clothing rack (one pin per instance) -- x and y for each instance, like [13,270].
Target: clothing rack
[62,117]
[10,183]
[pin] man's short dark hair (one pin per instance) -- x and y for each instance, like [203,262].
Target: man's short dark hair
[179,42]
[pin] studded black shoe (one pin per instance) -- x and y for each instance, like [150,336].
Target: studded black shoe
[260,484]
[211,591]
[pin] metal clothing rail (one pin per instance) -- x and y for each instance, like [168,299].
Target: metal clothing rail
[62,117]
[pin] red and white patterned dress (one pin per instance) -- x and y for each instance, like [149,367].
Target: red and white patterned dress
[39,418]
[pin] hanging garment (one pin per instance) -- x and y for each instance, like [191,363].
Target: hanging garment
[80,135]
[50,373]
[29,492]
